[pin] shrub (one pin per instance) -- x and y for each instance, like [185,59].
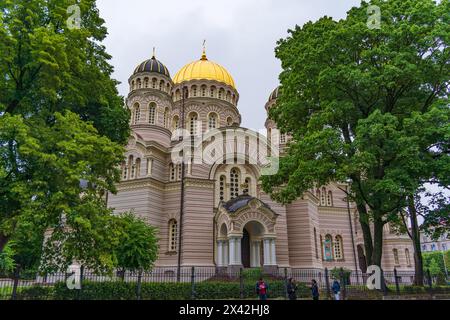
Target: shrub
[36,292]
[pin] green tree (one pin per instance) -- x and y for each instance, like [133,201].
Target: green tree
[368,107]
[61,122]
[137,248]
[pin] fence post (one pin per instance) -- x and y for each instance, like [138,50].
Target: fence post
[327,283]
[343,284]
[138,289]
[397,286]
[241,283]
[286,293]
[192,283]
[16,283]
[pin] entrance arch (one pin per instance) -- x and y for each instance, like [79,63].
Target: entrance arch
[250,237]
[245,249]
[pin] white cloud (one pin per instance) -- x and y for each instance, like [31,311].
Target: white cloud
[241,35]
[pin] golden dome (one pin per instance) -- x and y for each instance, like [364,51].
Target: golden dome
[204,69]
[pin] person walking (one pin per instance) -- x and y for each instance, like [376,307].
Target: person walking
[314,290]
[292,289]
[336,287]
[262,289]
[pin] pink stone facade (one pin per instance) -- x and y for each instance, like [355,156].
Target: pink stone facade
[228,221]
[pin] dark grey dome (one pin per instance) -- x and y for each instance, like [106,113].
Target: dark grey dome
[152,65]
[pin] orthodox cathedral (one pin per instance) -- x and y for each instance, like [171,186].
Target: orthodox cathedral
[216,214]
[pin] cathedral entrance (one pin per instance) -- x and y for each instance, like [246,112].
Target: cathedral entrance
[245,251]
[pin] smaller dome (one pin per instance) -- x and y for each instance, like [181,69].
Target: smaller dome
[152,65]
[274,94]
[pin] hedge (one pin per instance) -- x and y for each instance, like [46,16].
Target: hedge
[119,290]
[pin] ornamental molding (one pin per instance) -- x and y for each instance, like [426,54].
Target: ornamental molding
[254,210]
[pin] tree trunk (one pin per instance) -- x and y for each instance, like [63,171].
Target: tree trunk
[367,234]
[377,239]
[3,241]
[415,237]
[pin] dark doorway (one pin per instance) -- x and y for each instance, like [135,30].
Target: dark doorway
[245,249]
[362,259]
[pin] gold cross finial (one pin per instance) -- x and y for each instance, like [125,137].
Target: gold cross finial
[204,51]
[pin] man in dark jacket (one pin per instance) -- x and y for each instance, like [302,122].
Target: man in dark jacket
[291,289]
[336,287]
[261,289]
[314,290]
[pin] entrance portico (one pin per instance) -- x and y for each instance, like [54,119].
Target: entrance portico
[246,235]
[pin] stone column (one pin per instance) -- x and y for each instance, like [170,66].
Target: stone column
[266,252]
[220,253]
[238,251]
[254,254]
[273,258]
[225,253]
[231,255]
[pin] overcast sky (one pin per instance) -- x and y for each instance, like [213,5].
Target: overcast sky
[241,35]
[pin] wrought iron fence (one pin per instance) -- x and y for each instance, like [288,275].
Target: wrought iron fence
[207,283]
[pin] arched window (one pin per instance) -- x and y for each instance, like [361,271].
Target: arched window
[212,121]
[323,194]
[139,83]
[176,122]
[179,171]
[328,248]
[321,247]
[203,91]
[315,244]
[132,85]
[124,170]
[177,95]
[172,172]
[282,138]
[330,199]
[194,91]
[247,188]
[228,96]
[396,260]
[408,258]
[222,188]
[234,183]
[229,121]
[212,92]
[338,248]
[138,167]
[149,166]
[193,123]
[161,85]
[166,118]
[145,82]
[168,88]
[131,167]
[233,99]
[173,233]
[152,113]
[154,81]
[137,113]
[221,93]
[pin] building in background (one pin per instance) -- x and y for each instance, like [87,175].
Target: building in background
[429,245]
